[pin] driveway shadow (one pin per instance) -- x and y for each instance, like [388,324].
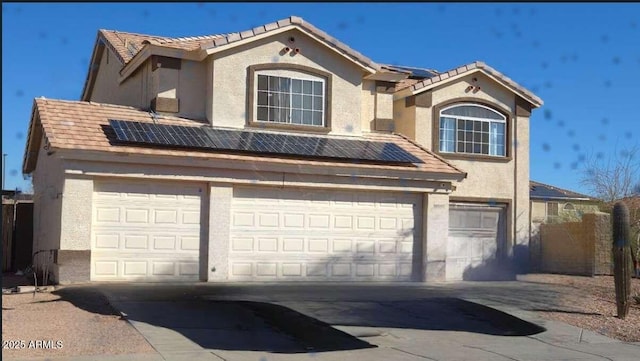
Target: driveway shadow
[240,326]
[288,319]
[431,314]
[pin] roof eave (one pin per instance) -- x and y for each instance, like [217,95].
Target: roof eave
[562,198]
[237,39]
[455,74]
[94,64]
[32,145]
[408,173]
[152,49]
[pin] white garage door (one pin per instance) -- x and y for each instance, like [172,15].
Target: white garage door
[475,233]
[289,235]
[145,232]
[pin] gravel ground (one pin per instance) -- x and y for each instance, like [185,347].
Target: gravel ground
[590,303]
[80,318]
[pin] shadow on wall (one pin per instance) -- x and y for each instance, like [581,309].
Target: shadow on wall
[500,269]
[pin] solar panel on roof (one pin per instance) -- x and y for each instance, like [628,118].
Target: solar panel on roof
[417,72]
[258,142]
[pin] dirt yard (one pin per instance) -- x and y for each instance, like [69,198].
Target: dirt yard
[590,303]
[71,321]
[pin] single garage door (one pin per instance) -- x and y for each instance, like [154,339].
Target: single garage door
[314,235]
[476,234]
[145,232]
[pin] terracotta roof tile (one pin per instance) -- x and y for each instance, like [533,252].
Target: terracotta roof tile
[90,131]
[126,45]
[481,65]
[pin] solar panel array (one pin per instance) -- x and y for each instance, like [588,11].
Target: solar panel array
[258,142]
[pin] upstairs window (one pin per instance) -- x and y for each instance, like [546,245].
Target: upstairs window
[472,129]
[297,99]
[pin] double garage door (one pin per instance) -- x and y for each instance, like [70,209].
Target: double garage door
[151,232]
[285,234]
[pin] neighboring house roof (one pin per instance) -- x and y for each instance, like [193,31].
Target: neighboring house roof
[450,75]
[543,191]
[82,125]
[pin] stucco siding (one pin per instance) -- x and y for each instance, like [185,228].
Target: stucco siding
[230,69]
[404,119]
[539,209]
[76,214]
[47,181]
[131,92]
[520,153]
[368,104]
[192,89]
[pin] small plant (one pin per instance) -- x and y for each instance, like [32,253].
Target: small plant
[621,257]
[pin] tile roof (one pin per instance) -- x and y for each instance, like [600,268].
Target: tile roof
[539,190]
[84,126]
[127,45]
[430,82]
[295,21]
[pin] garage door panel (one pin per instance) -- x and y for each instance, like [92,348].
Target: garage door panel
[339,246]
[474,237]
[145,231]
[322,235]
[321,271]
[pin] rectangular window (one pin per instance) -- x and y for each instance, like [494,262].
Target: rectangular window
[290,100]
[552,209]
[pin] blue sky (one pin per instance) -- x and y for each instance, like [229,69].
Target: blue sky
[583,60]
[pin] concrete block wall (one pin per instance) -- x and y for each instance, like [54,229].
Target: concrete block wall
[577,248]
[603,242]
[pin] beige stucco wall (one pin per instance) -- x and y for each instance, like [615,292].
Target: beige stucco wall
[48,181]
[132,92]
[368,104]
[435,215]
[404,118]
[192,89]
[229,78]
[539,209]
[520,151]
[76,214]
[217,261]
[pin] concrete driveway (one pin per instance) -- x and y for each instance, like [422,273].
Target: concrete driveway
[449,321]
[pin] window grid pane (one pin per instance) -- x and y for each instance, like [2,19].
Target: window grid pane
[290,100]
[473,136]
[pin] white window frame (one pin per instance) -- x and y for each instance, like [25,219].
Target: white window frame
[459,117]
[292,75]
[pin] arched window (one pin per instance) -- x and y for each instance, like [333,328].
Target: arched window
[569,207]
[474,129]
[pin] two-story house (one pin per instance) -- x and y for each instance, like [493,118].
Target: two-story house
[277,154]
